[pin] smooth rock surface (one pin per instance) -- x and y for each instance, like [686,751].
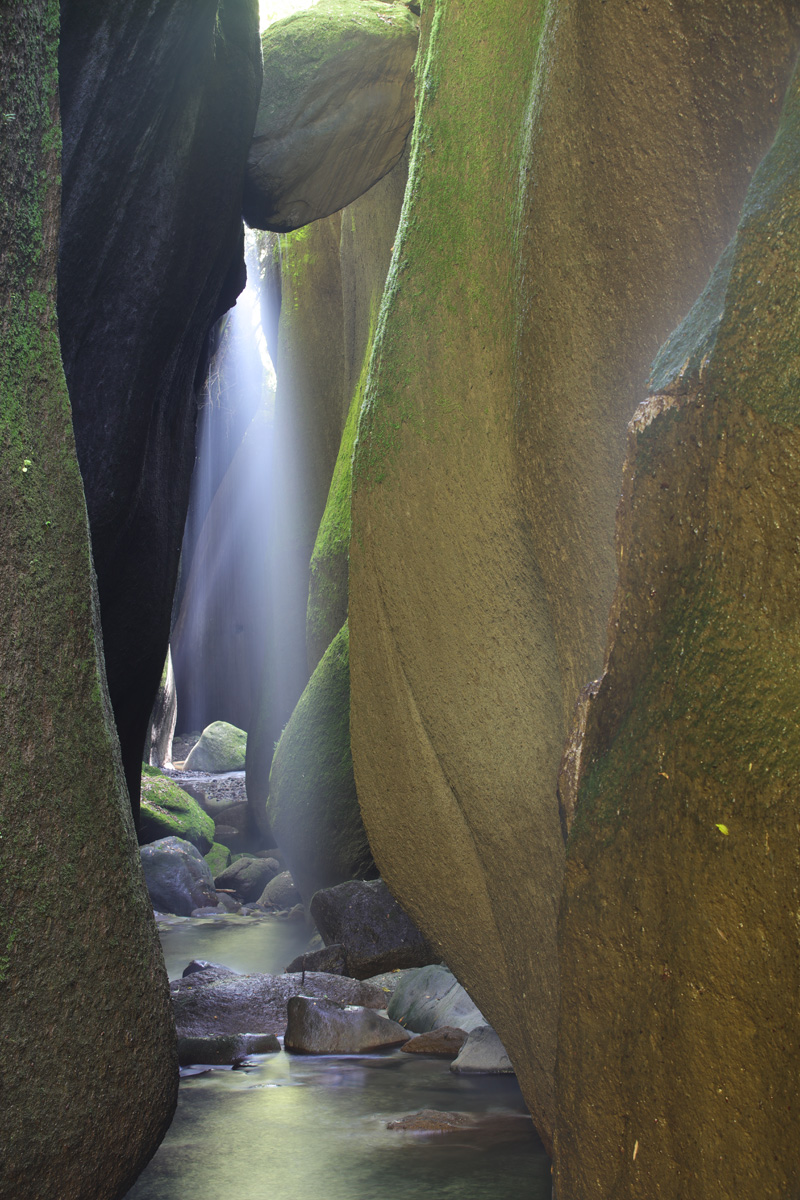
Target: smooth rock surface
[430,997]
[280,892]
[177,876]
[443,1042]
[247,877]
[336,108]
[320,1026]
[221,748]
[256,1003]
[225,1049]
[377,935]
[330,959]
[482,1054]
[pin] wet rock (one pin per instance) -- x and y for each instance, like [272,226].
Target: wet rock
[330,959]
[256,1003]
[444,1042]
[202,964]
[321,1026]
[430,1120]
[482,1054]
[224,1049]
[432,997]
[336,108]
[376,933]
[177,876]
[168,811]
[247,877]
[280,892]
[222,747]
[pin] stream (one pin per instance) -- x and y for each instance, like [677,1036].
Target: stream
[301,1127]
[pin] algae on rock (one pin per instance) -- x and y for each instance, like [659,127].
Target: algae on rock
[167,810]
[679,1034]
[89,1059]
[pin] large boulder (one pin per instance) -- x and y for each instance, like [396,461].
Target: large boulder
[222,747]
[256,1003]
[313,807]
[321,1026]
[177,876]
[225,1049]
[377,935]
[432,997]
[88,1051]
[679,954]
[168,811]
[247,877]
[336,108]
[280,892]
[482,1054]
[158,104]
[595,179]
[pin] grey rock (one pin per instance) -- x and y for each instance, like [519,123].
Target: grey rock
[321,1026]
[222,747]
[256,1003]
[330,959]
[202,964]
[248,877]
[376,933]
[225,1048]
[177,876]
[445,1042]
[336,108]
[483,1054]
[431,997]
[280,892]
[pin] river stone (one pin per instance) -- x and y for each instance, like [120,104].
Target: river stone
[222,747]
[444,1042]
[224,1049]
[482,563]
[198,965]
[247,877]
[336,108]
[376,933]
[321,1026]
[256,1003]
[280,892]
[482,1054]
[177,876]
[680,963]
[330,959]
[168,811]
[431,997]
[431,1120]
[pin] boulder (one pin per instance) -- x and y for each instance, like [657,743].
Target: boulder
[247,877]
[482,1054]
[256,1003]
[443,1042]
[487,468]
[177,876]
[222,747]
[201,964]
[313,807]
[376,933]
[218,858]
[158,104]
[330,959]
[431,997]
[225,1049]
[168,811]
[158,747]
[280,892]
[321,1026]
[680,962]
[336,108]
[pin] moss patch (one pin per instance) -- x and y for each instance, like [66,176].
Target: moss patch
[168,811]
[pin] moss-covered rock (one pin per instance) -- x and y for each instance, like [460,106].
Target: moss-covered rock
[222,747]
[169,811]
[313,808]
[336,108]
[680,963]
[218,858]
[89,1061]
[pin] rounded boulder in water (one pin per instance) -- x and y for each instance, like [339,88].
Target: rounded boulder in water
[222,747]
[177,876]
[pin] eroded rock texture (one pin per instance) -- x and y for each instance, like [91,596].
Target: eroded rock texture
[542,258]
[335,111]
[159,102]
[679,1037]
[88,1049]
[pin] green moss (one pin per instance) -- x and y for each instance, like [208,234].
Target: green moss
[218,858]
[222,747]
[168,811]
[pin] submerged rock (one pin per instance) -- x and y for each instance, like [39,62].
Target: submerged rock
[336,108]
[177,876]
[168,811]
[321,1026]
[256,1003]
[364,917]
[225,1048]
[482,1054]
[430,1120]
[222,747]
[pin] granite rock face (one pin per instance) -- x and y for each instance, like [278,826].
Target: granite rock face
[88,1061]
[492,435]
[336,109]
[158,106]
[679,1035]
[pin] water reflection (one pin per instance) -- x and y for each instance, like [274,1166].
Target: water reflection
[246,944]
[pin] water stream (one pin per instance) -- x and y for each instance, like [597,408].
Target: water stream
[301,1127]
